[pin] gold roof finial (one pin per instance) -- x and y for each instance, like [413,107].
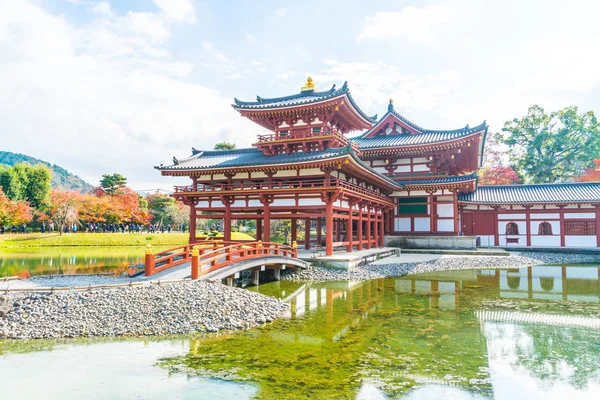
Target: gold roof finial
[310,86]
[391,101]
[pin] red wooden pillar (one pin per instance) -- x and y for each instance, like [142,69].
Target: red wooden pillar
[561,210]
[294,230]
[307,233]
[319,223]
[227,223]
[432,212]
[381,230]
[455,200]
[359,227]
[496,233]
[349,227]
[329,228]
[528,227]
[266,201]
[368,233]
[259,229]
[192,223]
[376,228]
[598,228]
[338,229]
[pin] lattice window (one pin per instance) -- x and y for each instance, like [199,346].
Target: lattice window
[580,227]
[512,228]
[545,229]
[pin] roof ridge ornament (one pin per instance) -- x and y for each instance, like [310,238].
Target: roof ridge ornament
[391,105]
[309,86]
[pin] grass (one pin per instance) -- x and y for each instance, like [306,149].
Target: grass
[101,239]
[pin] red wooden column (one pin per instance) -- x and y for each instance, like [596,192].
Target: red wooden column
[266,202]
[598,228]
[528,227]
[432,212]
[329,228]
[381,230]
[338,229]
[319,223]
[359,227]
[376,227]
[307,233]
[227,218]
[455,200]
[349,232]
[561,210]
[259,229]
[192,238]
[368,233]
[294,230]
[496,233]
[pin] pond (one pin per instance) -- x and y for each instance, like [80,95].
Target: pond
[27,262]
[529,333]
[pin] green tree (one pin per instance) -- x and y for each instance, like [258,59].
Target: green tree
[12,184]
[37,188]
[225,146]
[547,148]
[112,183]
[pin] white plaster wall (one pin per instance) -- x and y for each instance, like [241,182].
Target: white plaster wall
[310,171]
[254,203]
[202,204]
[545,241]
[535,227]
[217,203]
[580,215]
[416,193]
[445,210]
[344,203]
[219,177]
[258,174]
[522,241]
[445,198]
[239,203]
[580,241]
[420,167]
[420,159]
[486,240]
[379,163]
[545,216]
[511,216]
[283,202]
[422,225]
[445,225]
[402,224]
[380,169]
[287,173]
[403,168]
[310,202]
[403,161]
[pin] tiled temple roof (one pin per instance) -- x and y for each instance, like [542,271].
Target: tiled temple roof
[300,99]
[583,192]
[447,179]
[423,136]
[411,139]
[245,157]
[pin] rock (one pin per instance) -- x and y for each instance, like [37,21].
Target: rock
[5,306]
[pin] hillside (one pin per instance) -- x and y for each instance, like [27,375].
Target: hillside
[61,178]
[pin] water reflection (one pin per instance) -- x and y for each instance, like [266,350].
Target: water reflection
[28,262]
[459,333]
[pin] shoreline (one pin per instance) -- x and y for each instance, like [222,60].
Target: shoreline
[185,307]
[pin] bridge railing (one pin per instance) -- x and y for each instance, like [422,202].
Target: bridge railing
[208,256]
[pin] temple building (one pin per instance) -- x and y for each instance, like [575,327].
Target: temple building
[393,183]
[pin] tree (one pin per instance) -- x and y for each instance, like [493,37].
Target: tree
[12,184]
[166,210]
[37,188]
[547,148]
[13,212]
[225,146]
[591,174]
[112,183]
[64,208]
[498,175]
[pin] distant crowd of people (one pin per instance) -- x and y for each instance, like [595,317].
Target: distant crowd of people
[99,228]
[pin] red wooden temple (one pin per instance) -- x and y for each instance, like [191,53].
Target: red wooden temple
[396,181]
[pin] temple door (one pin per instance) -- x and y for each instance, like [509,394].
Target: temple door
[467,224]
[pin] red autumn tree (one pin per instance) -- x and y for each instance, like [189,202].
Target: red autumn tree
[63,208]
[13,212]
[498,175]
[591,174]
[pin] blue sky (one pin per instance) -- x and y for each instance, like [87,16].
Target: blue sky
[120,86]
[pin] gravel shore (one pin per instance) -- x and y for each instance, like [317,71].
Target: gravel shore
[179,308]
[382,269]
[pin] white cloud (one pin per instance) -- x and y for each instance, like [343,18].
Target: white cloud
[217,55]
[105,97]
[178,10]
[410,23]
[280,13]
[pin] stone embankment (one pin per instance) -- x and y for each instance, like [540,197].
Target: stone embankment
[396,267]
[177,308]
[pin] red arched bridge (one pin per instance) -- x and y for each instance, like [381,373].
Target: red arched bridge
[218,259]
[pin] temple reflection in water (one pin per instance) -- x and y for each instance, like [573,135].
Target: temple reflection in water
[487,332]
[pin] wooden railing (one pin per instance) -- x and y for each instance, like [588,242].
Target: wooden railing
[303,135]
[208,256]
[282,185]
